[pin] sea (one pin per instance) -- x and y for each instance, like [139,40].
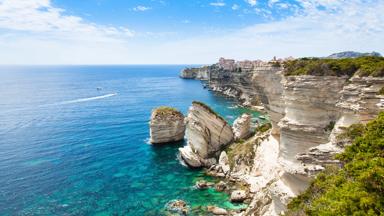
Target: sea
[74,141]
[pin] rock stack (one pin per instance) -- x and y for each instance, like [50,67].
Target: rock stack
[207,135]
[166,125]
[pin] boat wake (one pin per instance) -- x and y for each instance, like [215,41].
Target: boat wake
[85,99]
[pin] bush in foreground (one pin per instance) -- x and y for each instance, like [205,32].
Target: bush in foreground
[355,188]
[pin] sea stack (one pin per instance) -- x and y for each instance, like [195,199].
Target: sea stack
[166,125]
[207,135]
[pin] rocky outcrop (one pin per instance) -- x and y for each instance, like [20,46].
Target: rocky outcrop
[216,210]
[307,115]
[238,196]
[166,125]
[178,207]
[242,126]
[236,83]
[196,73]
[207,134]
[224,163]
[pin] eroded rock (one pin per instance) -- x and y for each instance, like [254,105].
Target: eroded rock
[202,184]
[238,196]
[242,127]
[166,125]
[207,133]
[177,206]
[217,210]
[224,163]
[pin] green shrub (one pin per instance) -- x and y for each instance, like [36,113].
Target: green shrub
[330,126]
[357,187]
[167,111]
[264,127]
[362,66]
[381,91]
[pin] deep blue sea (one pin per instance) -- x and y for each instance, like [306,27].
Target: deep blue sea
[73,140]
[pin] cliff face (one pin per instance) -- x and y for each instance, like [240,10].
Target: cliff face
[207,134]
[236,83]
[307,113]
[242,127]
[166,125]
[195,73]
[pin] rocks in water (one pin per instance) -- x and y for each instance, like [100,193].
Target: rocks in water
[216,210]
[238,196]
[177,206]
[221,186]
[166,125]
[189,157]
[203,184]
[207,134]
[242,126]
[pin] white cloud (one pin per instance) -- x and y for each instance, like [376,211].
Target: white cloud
[217,4]
[141,8]
[235,7]
[251,2]
[272,2]
[341,25]
[42,16]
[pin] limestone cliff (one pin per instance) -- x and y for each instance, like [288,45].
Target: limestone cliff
[200,73]
[307,113]
[207,133]
[166,125]
[242,127]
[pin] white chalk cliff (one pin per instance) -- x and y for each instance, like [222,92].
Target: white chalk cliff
[242,127]
[306,112]
[166,125]
[207,134]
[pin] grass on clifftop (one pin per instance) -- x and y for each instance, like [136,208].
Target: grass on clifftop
[362,66]
[167,111]
[357,188]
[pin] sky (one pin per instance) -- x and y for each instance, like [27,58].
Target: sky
[184,31]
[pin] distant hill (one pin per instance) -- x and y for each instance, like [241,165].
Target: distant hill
[352,54]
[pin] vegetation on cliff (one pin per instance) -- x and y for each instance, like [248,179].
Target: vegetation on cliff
[355,188]
[209,109]
[381,92]
[165,111]
[361,66]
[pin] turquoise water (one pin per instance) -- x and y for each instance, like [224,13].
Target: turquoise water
[73,140]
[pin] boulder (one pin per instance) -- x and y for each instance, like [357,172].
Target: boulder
[224,162]
[221,186]
[189,157]
[242,126]
[203,184]
[238,196]
[166,125]
[177,206]
[207,133]
[216,210]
